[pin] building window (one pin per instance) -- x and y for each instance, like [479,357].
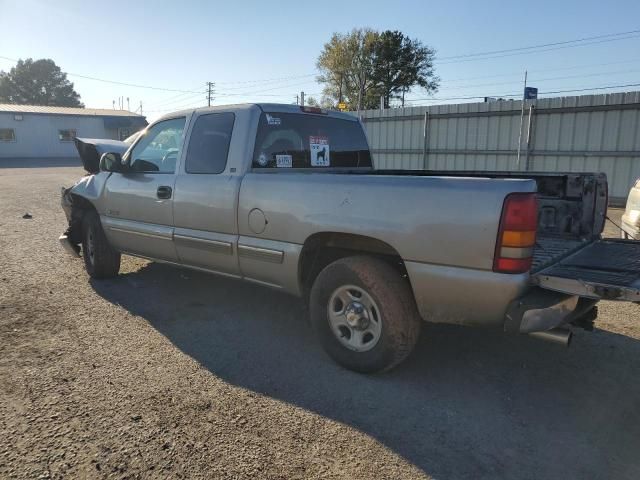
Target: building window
[66,135]
[7,135]
[124,133]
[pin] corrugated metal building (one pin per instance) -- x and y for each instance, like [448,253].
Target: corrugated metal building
[28,131]
[593,133]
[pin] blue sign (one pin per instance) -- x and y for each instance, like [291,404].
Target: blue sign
[530,93]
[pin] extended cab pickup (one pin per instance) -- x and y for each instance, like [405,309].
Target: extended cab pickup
[287,197]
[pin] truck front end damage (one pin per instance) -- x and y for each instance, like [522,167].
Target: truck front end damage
[72,237]
[85,194]
[76,201]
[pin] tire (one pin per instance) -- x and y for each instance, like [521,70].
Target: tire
[390,329]
[100,259]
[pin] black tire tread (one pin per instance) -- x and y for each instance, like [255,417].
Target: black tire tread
[106,258]
[402,323]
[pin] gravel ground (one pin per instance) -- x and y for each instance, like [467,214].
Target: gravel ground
[169,373]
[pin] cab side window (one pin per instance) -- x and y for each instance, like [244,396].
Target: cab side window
[209,143]
[158,149]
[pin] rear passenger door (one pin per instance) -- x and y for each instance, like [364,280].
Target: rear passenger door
[206,193]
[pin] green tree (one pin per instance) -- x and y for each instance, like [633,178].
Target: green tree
[400,63]
[362,65]
[345,65]
[39,82]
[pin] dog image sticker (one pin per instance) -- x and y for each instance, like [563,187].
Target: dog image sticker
[319,151]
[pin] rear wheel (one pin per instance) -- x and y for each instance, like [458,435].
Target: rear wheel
[364,314]
[100,258]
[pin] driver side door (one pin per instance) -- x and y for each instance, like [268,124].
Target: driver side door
[138,214]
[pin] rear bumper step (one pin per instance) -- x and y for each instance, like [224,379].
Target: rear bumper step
[542,310]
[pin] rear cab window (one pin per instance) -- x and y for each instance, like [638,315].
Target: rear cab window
[309,141]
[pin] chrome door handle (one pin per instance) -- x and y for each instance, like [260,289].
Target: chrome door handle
[164,192]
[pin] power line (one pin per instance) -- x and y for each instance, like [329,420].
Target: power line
[540,48]
[519,75]
[175,99]
[114,82]
[262,90]
[584,39]
[192,104]
[268,80]
[519,95]
[461,87]
[535,51]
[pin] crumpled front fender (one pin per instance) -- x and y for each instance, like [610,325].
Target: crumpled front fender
[90,187]
[85,195]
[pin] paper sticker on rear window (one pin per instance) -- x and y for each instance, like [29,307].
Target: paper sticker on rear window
[284,161]
[319,151]
[271,120]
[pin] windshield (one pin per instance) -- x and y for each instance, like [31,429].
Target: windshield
[129,140]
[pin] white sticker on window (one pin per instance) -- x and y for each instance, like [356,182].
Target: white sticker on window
[319,151]
[262,160]
[271,120]
[284,161]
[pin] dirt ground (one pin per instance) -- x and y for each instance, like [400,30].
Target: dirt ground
[169,373]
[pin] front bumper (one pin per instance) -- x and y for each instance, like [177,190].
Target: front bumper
[71,248]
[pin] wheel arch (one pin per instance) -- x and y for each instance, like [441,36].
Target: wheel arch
[323,248]
[79,206]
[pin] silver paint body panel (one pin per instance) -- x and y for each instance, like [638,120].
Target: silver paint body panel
[444,228]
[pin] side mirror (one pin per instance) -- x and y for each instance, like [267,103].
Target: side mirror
[111,162]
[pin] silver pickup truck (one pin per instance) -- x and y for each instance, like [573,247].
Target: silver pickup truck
[288,197]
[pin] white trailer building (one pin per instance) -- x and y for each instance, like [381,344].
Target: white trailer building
[40,132]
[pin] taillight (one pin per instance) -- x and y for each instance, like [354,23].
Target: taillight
[517,233]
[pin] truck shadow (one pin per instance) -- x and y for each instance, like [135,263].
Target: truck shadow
[467,404]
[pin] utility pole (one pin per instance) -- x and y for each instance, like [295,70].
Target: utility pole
[140,107]
[360,89]
[128,105]
[524,100]
[297,99]
[210,92]
[302,98]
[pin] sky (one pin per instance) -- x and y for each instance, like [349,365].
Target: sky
[267,50]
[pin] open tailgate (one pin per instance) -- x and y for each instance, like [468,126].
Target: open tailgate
[607,269]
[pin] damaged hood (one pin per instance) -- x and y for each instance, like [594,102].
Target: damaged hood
[91,149]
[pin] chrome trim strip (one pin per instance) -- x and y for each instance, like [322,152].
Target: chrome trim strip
[262,254]
[214,245]
[142,234]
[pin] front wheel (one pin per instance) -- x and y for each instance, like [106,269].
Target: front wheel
[364,314]
[101,260]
